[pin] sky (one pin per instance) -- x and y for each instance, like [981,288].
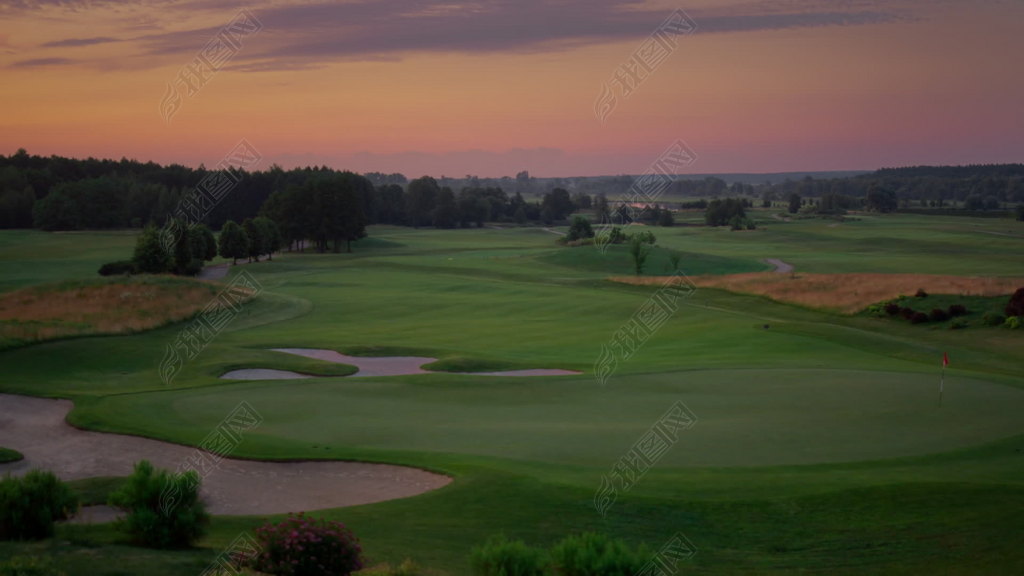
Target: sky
[490,88]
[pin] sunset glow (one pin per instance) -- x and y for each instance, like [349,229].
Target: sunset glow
[494,87]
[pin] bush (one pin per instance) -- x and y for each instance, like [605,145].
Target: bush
[993,319]
[503,557]
[938,315]
[163,508]
[580,229]
[118,268]
[907,312]
[1015,307]
[302,546]
[29,505]
[920,293]
[892,308]
[596,555]
[28,566]
[919,318]
[957,310]
[1013,322]
[958,325]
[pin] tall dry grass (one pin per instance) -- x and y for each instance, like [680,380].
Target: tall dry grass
[122,306]
[845,293]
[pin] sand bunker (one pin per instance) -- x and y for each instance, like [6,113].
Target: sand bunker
[374,366]
[36,428]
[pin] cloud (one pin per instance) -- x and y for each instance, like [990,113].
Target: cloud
[41,62]
[309,34]
[72,42]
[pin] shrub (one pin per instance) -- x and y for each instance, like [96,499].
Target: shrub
[920,293]
[1013,322]
[29,505]
[919,318]
[1015,307]
[503,557]
[958,325]
[596,555]
[580,229]
[907,312]
[991,319]
[163,508]
[957,310]
[938,315]
[118,268]
[28,566]
[892,308]
[303,546]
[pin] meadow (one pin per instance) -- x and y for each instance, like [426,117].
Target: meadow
[820,445]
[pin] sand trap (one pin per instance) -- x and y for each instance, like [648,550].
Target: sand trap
[263,374]
[374,366]
[36,428]
[381,366]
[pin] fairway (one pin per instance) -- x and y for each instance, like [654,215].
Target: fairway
[796,408]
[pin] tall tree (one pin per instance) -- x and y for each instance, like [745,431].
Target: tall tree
[446,212]
[149,256]
[256,239]
[420,198]
[234,243]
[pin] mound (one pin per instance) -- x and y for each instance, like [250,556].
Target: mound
[100,306]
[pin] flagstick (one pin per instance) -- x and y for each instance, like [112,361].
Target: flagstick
[942,380]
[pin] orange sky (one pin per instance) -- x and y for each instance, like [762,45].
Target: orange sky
[497,86]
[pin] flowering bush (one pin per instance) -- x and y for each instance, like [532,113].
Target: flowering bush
[303,546]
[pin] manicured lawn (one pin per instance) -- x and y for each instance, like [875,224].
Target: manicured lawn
[819,444]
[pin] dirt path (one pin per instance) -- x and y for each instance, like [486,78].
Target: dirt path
[780,266]
[36,428]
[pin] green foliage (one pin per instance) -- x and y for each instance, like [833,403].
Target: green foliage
[256,239]
[271,235]
[163,508]
[721,212]
[118,268]
[592,554]
[28,566]
[580,229]
[794,203]
[150,256]
[446,211]
[880,199]
[557,204]
[665,218]
[500,556]
[9,455]
[304,546]
[234,242]
[1014,322]
[29,505]
[992,319]
[639,251]
[182,248]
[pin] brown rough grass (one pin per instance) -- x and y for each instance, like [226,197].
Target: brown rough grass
[97,307]
[845,293]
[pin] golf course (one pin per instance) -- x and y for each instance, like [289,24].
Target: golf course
[818,438]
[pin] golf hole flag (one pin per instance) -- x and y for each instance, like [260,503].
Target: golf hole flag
[945,359]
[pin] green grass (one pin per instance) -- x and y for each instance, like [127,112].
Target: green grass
[820,446]
[9,455]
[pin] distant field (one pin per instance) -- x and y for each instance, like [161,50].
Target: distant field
[847,293]
[820,446]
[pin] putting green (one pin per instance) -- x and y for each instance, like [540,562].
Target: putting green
[745,417]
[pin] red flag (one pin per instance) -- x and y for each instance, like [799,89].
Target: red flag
[945,359]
